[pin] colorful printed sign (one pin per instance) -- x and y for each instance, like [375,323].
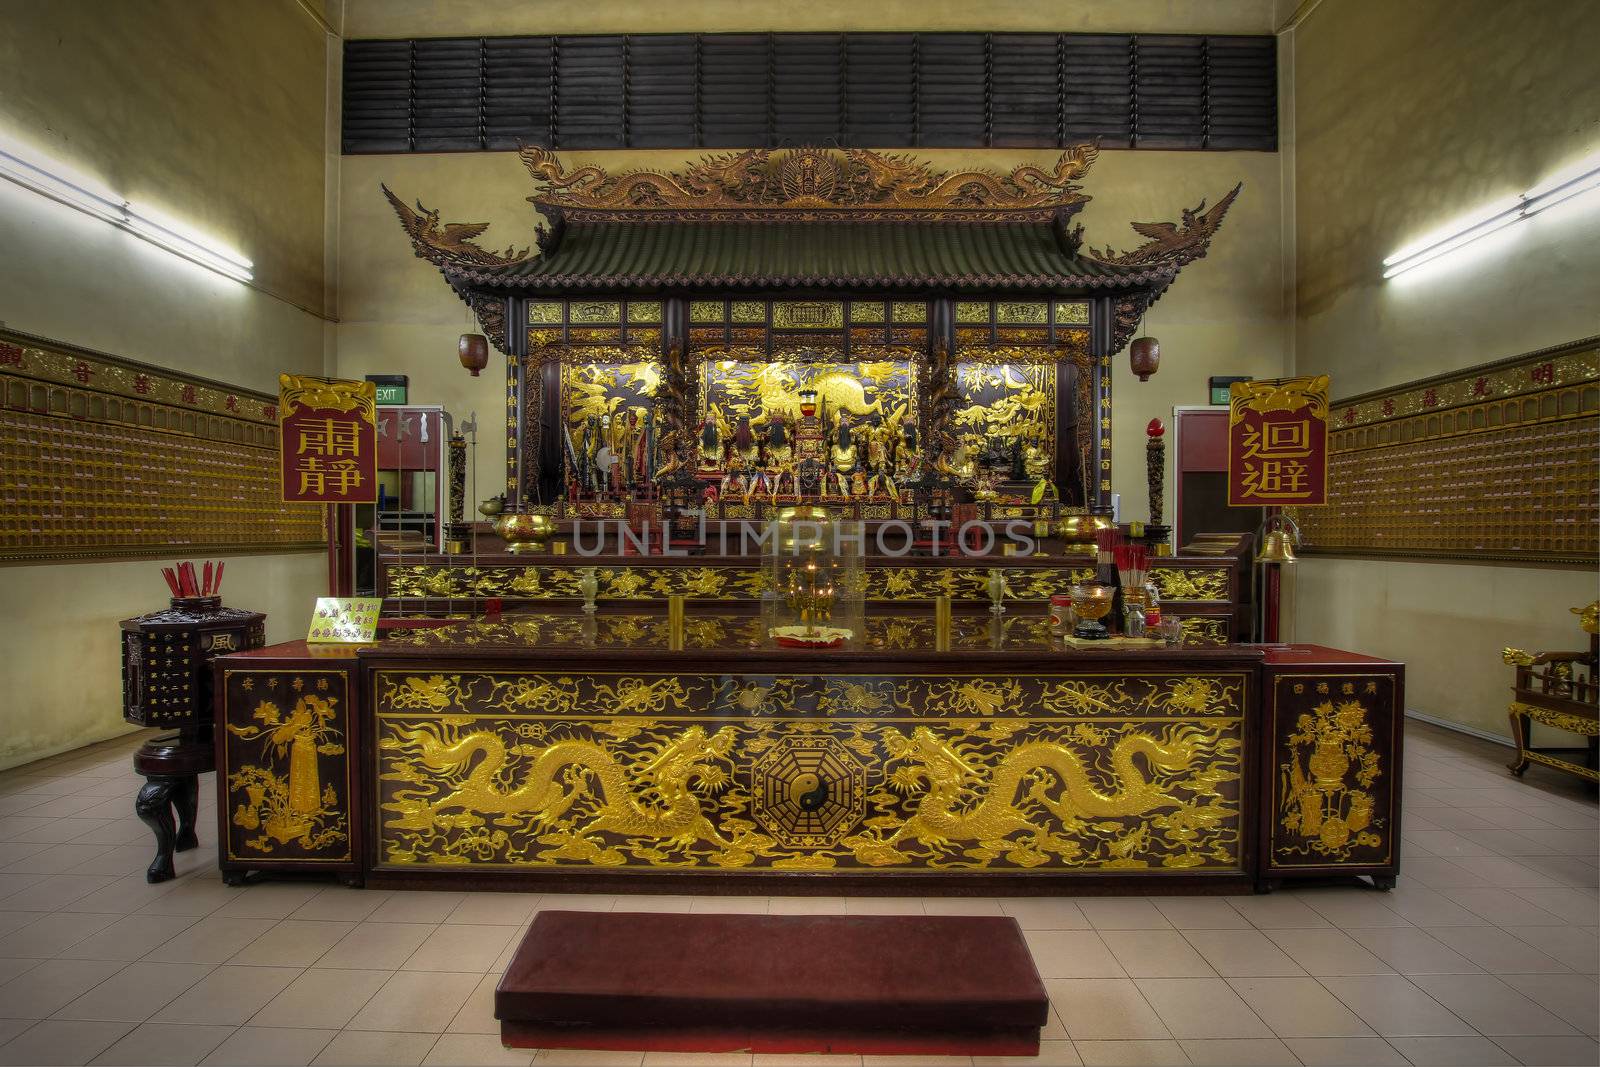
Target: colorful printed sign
[1278,442]
[344,619]
[328,440]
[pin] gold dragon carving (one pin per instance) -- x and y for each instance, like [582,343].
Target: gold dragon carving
[559,771]
[964,801]
[808,182]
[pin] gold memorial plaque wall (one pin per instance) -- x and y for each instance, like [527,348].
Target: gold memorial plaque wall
[105,458]
[1494,463]
[863,773]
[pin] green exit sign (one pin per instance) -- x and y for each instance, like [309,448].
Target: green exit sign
[391,388]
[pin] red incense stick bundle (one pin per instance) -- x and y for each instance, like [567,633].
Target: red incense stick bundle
[186,578]
[217,588]
[172,580]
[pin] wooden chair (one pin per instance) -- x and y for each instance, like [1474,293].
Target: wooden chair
[1560,690]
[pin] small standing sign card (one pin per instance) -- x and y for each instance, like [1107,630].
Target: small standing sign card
[344,620]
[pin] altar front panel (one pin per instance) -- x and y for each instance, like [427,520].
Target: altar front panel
[875,772]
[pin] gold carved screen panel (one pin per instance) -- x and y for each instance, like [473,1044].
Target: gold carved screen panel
[1009,403]
[884,390]
[105,458]
[1496,463]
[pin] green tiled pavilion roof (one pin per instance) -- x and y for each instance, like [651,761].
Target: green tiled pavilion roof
[812,254]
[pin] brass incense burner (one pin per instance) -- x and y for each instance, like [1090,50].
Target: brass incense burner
[524,531]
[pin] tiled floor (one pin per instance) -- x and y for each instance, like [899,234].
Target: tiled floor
[1485,954]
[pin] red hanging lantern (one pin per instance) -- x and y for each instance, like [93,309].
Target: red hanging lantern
[1144,355]
[474,352]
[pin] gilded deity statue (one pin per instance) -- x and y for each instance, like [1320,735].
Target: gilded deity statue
[842,455]
[711,435]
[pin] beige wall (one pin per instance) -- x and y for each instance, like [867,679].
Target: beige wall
[1407,116]
[1225,315]
[213,114]
[448,18]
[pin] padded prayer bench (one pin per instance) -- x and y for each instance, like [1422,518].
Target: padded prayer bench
[884,984]
[1560,690]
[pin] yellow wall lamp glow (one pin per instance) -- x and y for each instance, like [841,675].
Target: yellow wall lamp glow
[51,179]
[1581,177]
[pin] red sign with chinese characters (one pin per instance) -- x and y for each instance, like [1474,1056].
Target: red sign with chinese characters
[1278,442]
[328,440]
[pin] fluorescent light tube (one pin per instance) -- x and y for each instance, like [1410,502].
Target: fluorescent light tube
[33,171]
[1570,181]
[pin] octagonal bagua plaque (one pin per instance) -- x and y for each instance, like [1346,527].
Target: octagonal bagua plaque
[809,791]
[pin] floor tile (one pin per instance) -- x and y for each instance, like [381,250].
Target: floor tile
[127,937]
[1067,1057]
[1350,908]
[53,1042]
[211,940]
[422,1001]
[1394,1007]
[1414,951]
[460,948]
[269,1046]
[661,903]
[1502,906]
[43,990]
[1452,1051]
[805,906]
[341,904]
[293,943]
[1072,954]
[1552,1051]
[1201,913]
[417,907]
[51,935]
[1131,1053]
[1497,951]
[370,1048]
[1277,911]
[1123,913]
[1201,1008]
[135,993]
[163,1044]
[1104,1009]
[1576,906]
[1346,1052]
[322,1000]
[1574,998]
[382,946]
[1239,1052]
[962,906]
[494,909]
[476,1014]
[883,906]
[741,1059]
[475,1049]
[1492,1007]
[1330,952]
[1242,953]
[228,995]
[549,903]
[1299,1007]
[1045,913]
[267,901]
[1156,954]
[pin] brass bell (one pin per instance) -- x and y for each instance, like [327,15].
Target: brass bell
[1276,547]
